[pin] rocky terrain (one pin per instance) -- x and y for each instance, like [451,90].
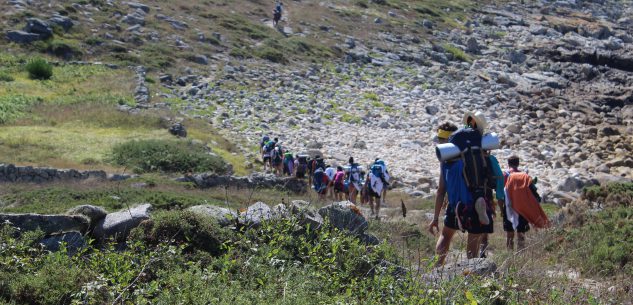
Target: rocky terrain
[553,78]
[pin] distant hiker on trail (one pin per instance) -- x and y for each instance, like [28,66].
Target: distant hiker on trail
[301,166]
[267,150]
[379,169]
[277,160]
[374,190]
[289,163]
[330,171]
[353,180]
[313,165]
[277,13]
[339,183]
[522,206]
[320,183]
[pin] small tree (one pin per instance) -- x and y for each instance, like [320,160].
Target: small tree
[39,68]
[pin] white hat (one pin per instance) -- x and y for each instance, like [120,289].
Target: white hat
[479,118]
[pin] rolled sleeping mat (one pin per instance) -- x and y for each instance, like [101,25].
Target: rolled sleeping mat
[490,141]
[446,151]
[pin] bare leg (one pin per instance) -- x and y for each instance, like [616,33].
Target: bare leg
[520,240]
[484,245]
[352,194]
[510,240]
[377,206]
[472,247]
[443,244]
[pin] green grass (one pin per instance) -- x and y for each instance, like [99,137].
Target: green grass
[371,96]
[457,53]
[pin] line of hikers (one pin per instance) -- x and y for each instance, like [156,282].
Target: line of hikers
[468,179]
[339,182]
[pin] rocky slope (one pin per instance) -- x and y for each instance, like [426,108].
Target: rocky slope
[553,78]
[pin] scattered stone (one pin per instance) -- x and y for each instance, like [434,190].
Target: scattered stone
[224,216]
[345,216]
[256,214]
[118,225]
[178,130]
[22,37]
[49,224]
[40,27]
[93,213]
[200,59]
[62,21]
[74,241]
[136,5]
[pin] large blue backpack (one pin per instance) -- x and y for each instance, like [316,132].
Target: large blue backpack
[376,170]
[317,180]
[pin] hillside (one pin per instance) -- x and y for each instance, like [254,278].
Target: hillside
[339,78]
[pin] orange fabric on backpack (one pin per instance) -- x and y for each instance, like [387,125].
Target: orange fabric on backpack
[523,201]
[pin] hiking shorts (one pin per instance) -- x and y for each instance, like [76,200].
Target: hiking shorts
[450,220]
[523,226]
[266,159]
[339,188]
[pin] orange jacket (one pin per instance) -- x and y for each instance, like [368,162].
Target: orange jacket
[523,201]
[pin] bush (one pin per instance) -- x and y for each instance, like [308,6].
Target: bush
[166,156]
[457,53]
[39,68]
[6,77]
[197,232]
[271,54]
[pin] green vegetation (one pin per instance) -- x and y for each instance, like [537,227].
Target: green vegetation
[457,53]
[15,106]
[371,96]
[39,68]
[4,77]
[166,156]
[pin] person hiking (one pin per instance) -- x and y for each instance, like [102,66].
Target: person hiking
[522,206]
[267,154]
[353,180]
[320,182]
[330,171]
[277,160]
[338,183]
[374,191]
[379,168]
[301,166]
[277,13]
[496,185]
[462,196]
[289,163]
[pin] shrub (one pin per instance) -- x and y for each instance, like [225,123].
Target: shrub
[457,53]
[271,54]
[197,232]
[167,156]
[39,68]
[6,77]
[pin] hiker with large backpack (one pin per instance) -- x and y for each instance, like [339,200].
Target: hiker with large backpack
[330,171]
[522,205]
[375,189]
[464,175]
[353,179]
[277,160]
[277,13]
[379,169]
[267,150]
[320,182]
[289,163]
[494,185]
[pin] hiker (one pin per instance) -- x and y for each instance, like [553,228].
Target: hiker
[267,154]
[353,180]
[289,163]
[338,183]
[364,191]
[522,205]
[374,191]
[277,160]
[277,13]
[330,171]
[301,166]
[466,210]
[320,182]
[379,168]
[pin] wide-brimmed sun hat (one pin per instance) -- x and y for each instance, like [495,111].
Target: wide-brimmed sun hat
[479,118]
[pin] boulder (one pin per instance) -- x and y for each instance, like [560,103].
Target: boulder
[62,21]
[40,27]
[93,213]
[571,184]
[141,6]
[178,130]
[307,216]
[224,216]
[472,46]
[345,216]
[74,242]
[200,59]
[49,224]
[256,214]
[477,266]
[118,225]
[432,109]
[22,37]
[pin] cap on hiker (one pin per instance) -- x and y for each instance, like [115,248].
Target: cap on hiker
[444,134]
[478,117]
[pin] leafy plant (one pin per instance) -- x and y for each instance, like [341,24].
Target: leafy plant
[39,68]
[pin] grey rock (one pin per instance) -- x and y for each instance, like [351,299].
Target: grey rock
[378,20]
[136,5]
[74,241]
[427,24]
[94,213]
[40,27]
[478,266]
[166,78]
[49,224]
[200,59]
[134,18]
[431,109]
[314,145]
[516,57]
[22,37]
[571,184]
[342,216]
[472,46]
[178,130]
[62,21]
[256,214]
[118,225]
[224,216]
[350,42]
[360,144]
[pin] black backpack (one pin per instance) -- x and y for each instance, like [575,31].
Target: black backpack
[477,171]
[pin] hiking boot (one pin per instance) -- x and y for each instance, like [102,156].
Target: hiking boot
[480,207]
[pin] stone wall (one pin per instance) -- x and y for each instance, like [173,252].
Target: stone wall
[29,174]
[255,181]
